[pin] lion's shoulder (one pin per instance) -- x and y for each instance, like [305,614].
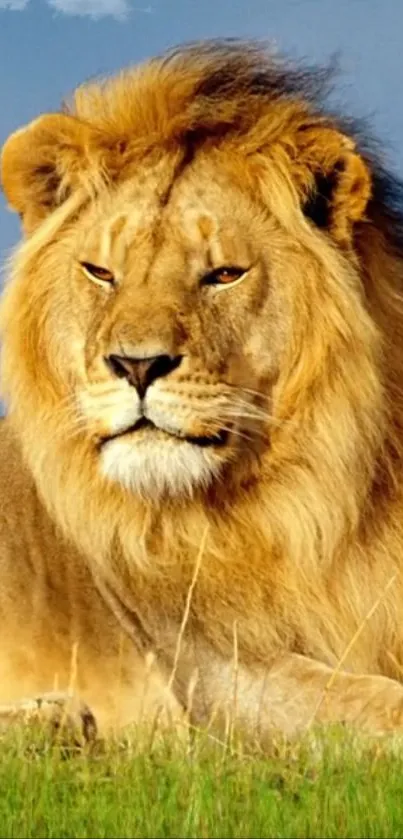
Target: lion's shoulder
[14,475]
[22,514]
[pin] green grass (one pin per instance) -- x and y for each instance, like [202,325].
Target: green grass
[169,789]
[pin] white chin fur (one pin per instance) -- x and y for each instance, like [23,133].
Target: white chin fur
[152,469]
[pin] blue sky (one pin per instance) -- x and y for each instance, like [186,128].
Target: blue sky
[49,46]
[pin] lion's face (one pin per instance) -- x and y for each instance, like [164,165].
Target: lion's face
[179,322]
[174,316]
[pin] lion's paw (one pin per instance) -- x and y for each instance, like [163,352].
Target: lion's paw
[64,714]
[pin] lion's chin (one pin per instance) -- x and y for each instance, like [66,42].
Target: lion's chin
[158,463]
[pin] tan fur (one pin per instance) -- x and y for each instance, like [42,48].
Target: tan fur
[288,534]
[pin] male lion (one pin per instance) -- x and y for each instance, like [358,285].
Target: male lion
[202,462]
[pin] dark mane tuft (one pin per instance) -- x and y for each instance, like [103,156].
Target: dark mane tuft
[235,67]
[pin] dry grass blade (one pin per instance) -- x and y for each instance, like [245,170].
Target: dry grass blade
[187,606]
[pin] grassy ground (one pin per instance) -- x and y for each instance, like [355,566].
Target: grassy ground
[169,790]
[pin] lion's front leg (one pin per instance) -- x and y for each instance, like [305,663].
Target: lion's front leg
[315,693]
[297,692]
[62,714]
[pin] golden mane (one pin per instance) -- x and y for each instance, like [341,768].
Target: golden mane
[297,548]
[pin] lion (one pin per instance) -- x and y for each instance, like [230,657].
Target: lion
[202,357]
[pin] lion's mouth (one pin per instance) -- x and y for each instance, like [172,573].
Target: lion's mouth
[204,441]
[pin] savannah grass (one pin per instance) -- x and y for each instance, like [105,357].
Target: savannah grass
[331,786]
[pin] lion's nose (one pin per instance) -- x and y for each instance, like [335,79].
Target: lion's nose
[141,372]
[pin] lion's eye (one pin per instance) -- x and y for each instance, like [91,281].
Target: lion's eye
[224,275]
[95,272]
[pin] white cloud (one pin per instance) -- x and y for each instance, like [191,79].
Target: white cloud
[118,9]
[14,5]
[92,8]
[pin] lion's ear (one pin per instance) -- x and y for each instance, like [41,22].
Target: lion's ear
[334,180]
[42,163]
